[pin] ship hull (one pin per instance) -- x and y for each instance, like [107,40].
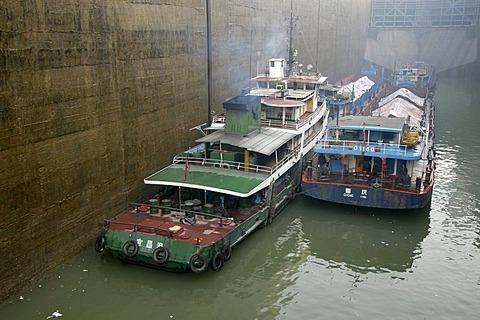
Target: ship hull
[184,254]
[366,196]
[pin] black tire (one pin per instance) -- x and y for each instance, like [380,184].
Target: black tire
[160,255]
[198,263]
[217,261]
[130,249]
[100,243]
[226,252]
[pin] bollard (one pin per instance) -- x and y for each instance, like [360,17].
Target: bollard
[153,206]
[188,207]
[208,207]
[166,204]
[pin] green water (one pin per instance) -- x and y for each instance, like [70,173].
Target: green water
[317,260]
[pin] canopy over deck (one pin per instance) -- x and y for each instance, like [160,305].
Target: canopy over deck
[229,181]
[282,103]
[369,123]
[265,141]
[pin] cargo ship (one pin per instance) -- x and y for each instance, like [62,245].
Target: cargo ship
[382,160]
[353,94]
[417,74]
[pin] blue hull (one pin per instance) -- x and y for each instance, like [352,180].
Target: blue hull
[364,196]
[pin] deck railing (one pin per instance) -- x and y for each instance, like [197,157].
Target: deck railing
[236,165]
[385,148]
[278,123]
[226,164]
[139,227]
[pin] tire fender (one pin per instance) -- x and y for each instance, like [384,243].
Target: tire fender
[226,251]
[198,263]
[216,263]
[100,243]
[160,255]
[130,249]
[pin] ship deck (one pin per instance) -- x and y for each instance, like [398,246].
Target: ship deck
[196,229]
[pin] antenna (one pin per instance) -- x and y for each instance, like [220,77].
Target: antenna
[290,49]
[199,127]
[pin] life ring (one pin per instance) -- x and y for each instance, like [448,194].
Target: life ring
[226,251]
[160,255]
[130,249]
[198,263]
[226,166]
[217,261]
[100,243]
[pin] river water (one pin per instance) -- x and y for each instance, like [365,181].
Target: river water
[316,261]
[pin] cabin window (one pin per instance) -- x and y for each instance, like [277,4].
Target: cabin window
[375,136]
[273,113]
[348,135]
[387,136]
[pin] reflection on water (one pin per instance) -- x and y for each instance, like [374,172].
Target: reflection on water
[268,268]
[340,249]
[364,240]
[457,190]
[476,241]
[457,146]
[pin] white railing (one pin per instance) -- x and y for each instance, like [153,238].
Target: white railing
[223,164]
[235,165]
[313,136]
[376,147]
[276,123]
[220,118]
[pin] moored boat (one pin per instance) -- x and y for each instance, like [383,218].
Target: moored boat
[381,161]
[416,74]
[353,94]
[237,179]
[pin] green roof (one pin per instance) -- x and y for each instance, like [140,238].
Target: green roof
[229,181]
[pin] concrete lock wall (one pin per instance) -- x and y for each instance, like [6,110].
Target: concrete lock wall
[95,95]
[445,48]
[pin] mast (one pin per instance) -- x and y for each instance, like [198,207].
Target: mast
[290,49]
[209,59]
